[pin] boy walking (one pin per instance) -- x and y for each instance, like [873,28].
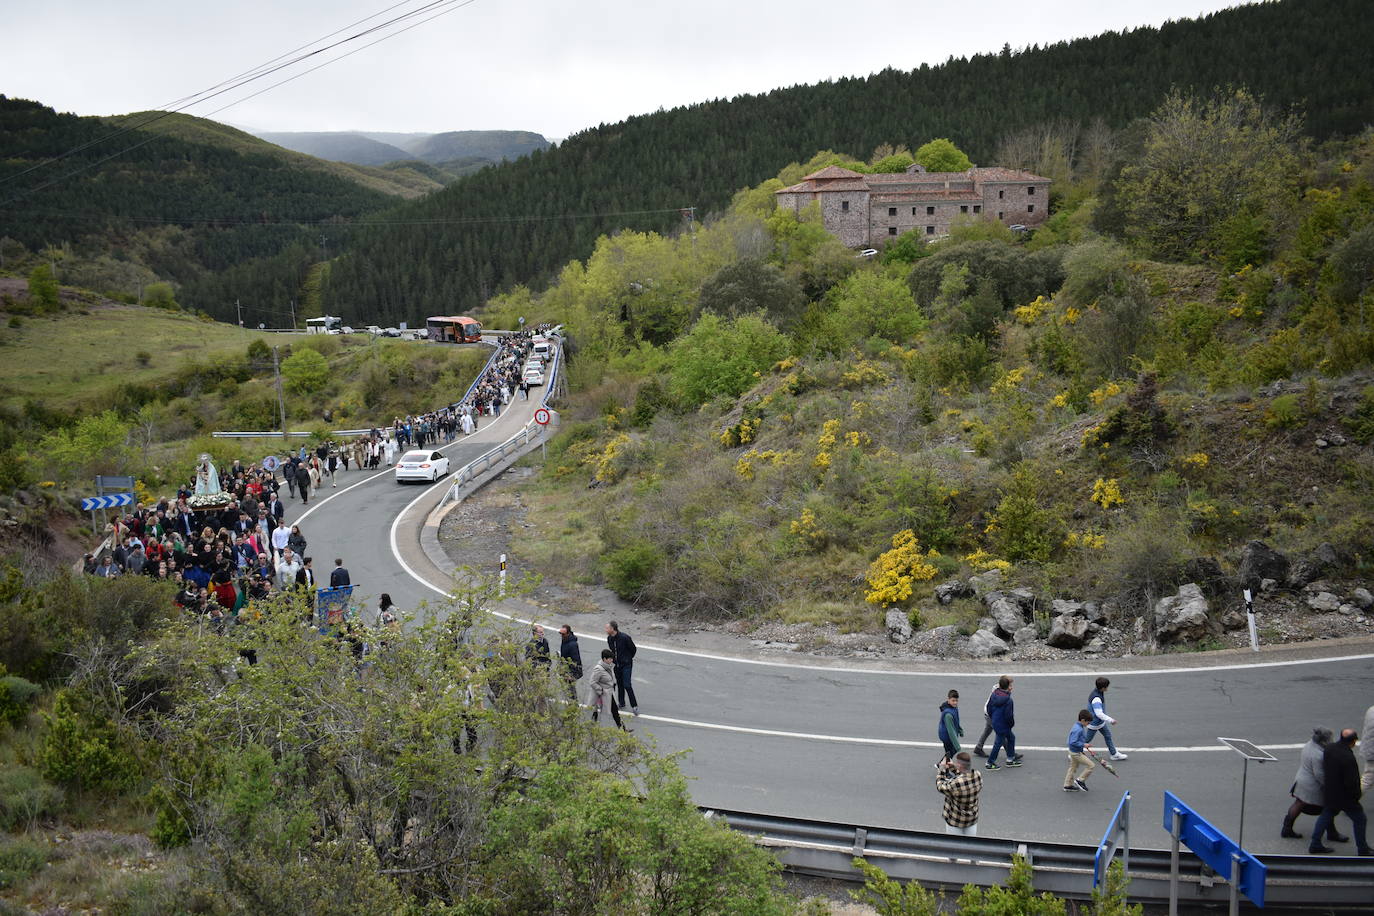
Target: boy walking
[1097,701]
[1079,736]
[950,732]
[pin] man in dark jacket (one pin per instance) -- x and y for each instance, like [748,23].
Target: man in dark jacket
[1341,793]
[623,647]
[288,470]
[339,578]
[571,657]
[1003,712]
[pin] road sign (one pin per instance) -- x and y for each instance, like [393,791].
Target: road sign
[115,483]
[541,416]
[270,463]
[106,502]
[1215,848]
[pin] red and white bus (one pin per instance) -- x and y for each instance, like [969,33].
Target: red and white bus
[454,329]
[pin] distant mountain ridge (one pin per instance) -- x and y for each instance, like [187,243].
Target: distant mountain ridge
[456,152]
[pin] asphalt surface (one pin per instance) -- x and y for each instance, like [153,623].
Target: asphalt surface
[856,745]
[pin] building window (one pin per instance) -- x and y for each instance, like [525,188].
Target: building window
[930,211]
[1001,215]
[930,230]
[977,208]
[1001,194]
[844,206]
[1030,208]
[891,211]
[963,208]
[891,230]
[913,211]
[1030,190]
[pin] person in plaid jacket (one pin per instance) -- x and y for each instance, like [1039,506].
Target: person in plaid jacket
[961,785]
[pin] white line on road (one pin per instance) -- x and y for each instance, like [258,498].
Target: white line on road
[895,742]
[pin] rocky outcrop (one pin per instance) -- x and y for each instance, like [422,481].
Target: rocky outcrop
[898,627]
[986,644]
[1007,611]
[986,582]
[1182,616]
[1324,602]
[1362,599]
[1026,635]
[1313,566]
[1068,631]
[946,592]
[1259,561]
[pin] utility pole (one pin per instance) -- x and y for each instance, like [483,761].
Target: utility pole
[281,402]
[240,311]
[293,314]
[324,248]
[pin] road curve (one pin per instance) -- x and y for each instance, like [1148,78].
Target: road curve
[855,744]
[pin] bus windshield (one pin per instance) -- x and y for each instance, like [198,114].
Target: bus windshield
[326,324]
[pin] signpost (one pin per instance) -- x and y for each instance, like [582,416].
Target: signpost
[104,483]
[91,503]
[1119,828]
[541,416]
[1223,855]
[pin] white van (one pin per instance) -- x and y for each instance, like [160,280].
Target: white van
[541,348]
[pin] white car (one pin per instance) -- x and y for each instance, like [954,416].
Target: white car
[534,376]
[421,465]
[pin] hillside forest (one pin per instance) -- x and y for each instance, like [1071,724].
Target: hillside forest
[767,426]
[233,222]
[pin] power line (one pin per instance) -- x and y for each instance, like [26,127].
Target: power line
[443,7]
[358,224]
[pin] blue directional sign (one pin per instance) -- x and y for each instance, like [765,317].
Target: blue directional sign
[1215,848]
[106,502]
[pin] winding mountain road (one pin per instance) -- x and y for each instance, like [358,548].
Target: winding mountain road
[855,743]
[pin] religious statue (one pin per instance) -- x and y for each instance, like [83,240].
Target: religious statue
[207,478]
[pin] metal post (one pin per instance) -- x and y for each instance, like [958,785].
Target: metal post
[1250,618]
[1244,778]
[501,590]
[1235,885]
[281,403]
[1176,830]
[1126,837]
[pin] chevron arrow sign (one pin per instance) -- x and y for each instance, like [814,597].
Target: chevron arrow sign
[106,502]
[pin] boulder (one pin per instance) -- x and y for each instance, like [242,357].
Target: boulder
[986,582]
[1362,599]
[1095,612]
[898,626]
[1268,586]
[1182,616]
[1206,571]
[1005,611]
[1095,645]
[1324,602]
[946,592]
[1068,631]
[1313,566]
[1259,561]
[1233,620]
[1025,635]
[1024,597]
[1059,607]
[985,644]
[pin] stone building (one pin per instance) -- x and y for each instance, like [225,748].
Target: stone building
[867,210]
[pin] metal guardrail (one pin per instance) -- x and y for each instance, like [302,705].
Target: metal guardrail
[827,850]
[469,472]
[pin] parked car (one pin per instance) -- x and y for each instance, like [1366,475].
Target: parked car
[345,330]
[421,333]
[534,376]
[868,253]
[421,465]
[373,330]
[391,332]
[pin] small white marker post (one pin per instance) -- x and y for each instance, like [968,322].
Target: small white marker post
[1250,617]
[501,589]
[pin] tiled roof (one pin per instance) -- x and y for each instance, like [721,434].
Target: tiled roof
[918,177]
[832,171]
[1001,174]
[931,194]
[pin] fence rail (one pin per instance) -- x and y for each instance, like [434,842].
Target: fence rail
[828,850]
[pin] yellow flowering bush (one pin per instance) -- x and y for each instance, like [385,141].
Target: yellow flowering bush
[893,575]
[742,433]
[605,461]
[1107,493]
[980,559]
[1106,392]
[1089,539]
[1071,315]
[747,462]
[807,530]
[1198,461]
[1030,314]
[857,439]
[1009,382]
[784,365]
[864,374]
[1060,400]
[830,432]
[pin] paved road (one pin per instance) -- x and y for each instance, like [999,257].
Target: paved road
[856,745]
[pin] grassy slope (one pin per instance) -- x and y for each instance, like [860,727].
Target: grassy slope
[67,360]
[406,183]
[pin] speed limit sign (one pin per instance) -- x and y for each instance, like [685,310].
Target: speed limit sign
[541,416]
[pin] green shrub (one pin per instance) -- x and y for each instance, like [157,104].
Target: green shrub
[258,351]
[16,698]
[20,857]
[26,797]
[629,569]
[83,750]
[1361,421]
[1285,412]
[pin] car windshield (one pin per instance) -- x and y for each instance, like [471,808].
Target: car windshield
[415,457]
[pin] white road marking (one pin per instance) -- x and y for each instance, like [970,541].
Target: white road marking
[896,742]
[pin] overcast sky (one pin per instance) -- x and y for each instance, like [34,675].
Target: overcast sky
[541,65]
